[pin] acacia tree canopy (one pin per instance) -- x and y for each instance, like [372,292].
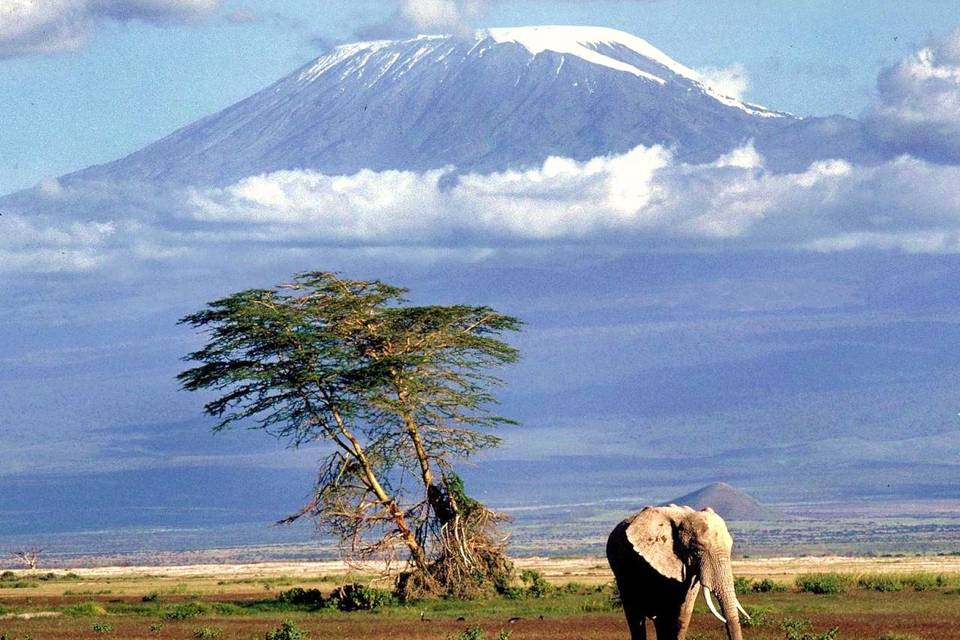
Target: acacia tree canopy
[399,392]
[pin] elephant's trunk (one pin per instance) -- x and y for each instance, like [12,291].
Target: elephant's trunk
[717,576]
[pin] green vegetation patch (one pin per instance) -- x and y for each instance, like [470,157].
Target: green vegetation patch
[797,629]
[823,583]
[186,611]
[85,609]
[884,582]
[288,630]
[768,586]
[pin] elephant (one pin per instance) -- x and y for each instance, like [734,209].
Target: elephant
[661,557]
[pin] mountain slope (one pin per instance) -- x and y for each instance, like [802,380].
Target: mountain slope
[729,502]
[506,98]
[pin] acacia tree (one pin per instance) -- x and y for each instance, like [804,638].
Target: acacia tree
[400,393]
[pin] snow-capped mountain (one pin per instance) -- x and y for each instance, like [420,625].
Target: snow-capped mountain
[502,99]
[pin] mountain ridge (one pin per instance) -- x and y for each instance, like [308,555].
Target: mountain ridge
[504,99]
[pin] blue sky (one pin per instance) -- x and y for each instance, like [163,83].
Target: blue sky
[126,82]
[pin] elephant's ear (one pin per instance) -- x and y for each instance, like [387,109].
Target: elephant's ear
[651,532]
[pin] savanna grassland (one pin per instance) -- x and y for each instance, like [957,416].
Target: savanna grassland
[897,598]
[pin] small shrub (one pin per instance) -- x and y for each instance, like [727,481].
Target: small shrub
[207,633]
[537,585]
[574,588]
[768,586]
[504,634]
[471,633]
[2,610]
[229,609]
[156,627]
[8,576]
[102,627]
[512,593]
[823,583]
[153,596]
[302,597]
[288,630]
[759,616]
[358,597]
[923,581]
[84,610]
[185,611]
[880,582]
[742,585]
[797,629]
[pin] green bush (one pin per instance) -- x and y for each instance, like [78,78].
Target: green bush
[156,627]
[153,596]
[768,586]
[823,583]
[207,633]
[471,633]
[302,597]
[537,585]
[8,576]
[185,611]
[796,629]
[759,616]
[102,627]
[883,582]
[742,585]
[925,581]
[288,630]
[358,597]
[84,610]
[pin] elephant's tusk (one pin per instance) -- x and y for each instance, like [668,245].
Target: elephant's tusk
[740,609]
[713,608]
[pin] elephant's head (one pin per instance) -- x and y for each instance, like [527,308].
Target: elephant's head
[687,545]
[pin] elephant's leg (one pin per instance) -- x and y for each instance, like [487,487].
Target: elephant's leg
[668,625]
[686,610]
[636,619]
[637,623]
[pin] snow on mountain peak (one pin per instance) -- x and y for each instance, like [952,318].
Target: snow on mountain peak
[601,46]
[581,42]
[587,43]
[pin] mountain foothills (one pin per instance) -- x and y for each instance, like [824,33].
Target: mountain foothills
[506,98]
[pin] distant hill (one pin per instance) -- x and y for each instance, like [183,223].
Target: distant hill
[731,503]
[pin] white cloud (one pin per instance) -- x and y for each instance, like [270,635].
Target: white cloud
[917,105]
[732,81]
[642,197]
[639,200]
[429,16]
[48,26]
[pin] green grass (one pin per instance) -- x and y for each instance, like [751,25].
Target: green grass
[84,610]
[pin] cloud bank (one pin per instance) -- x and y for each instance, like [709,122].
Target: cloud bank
[916,109]
[641,200]
[50,26]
